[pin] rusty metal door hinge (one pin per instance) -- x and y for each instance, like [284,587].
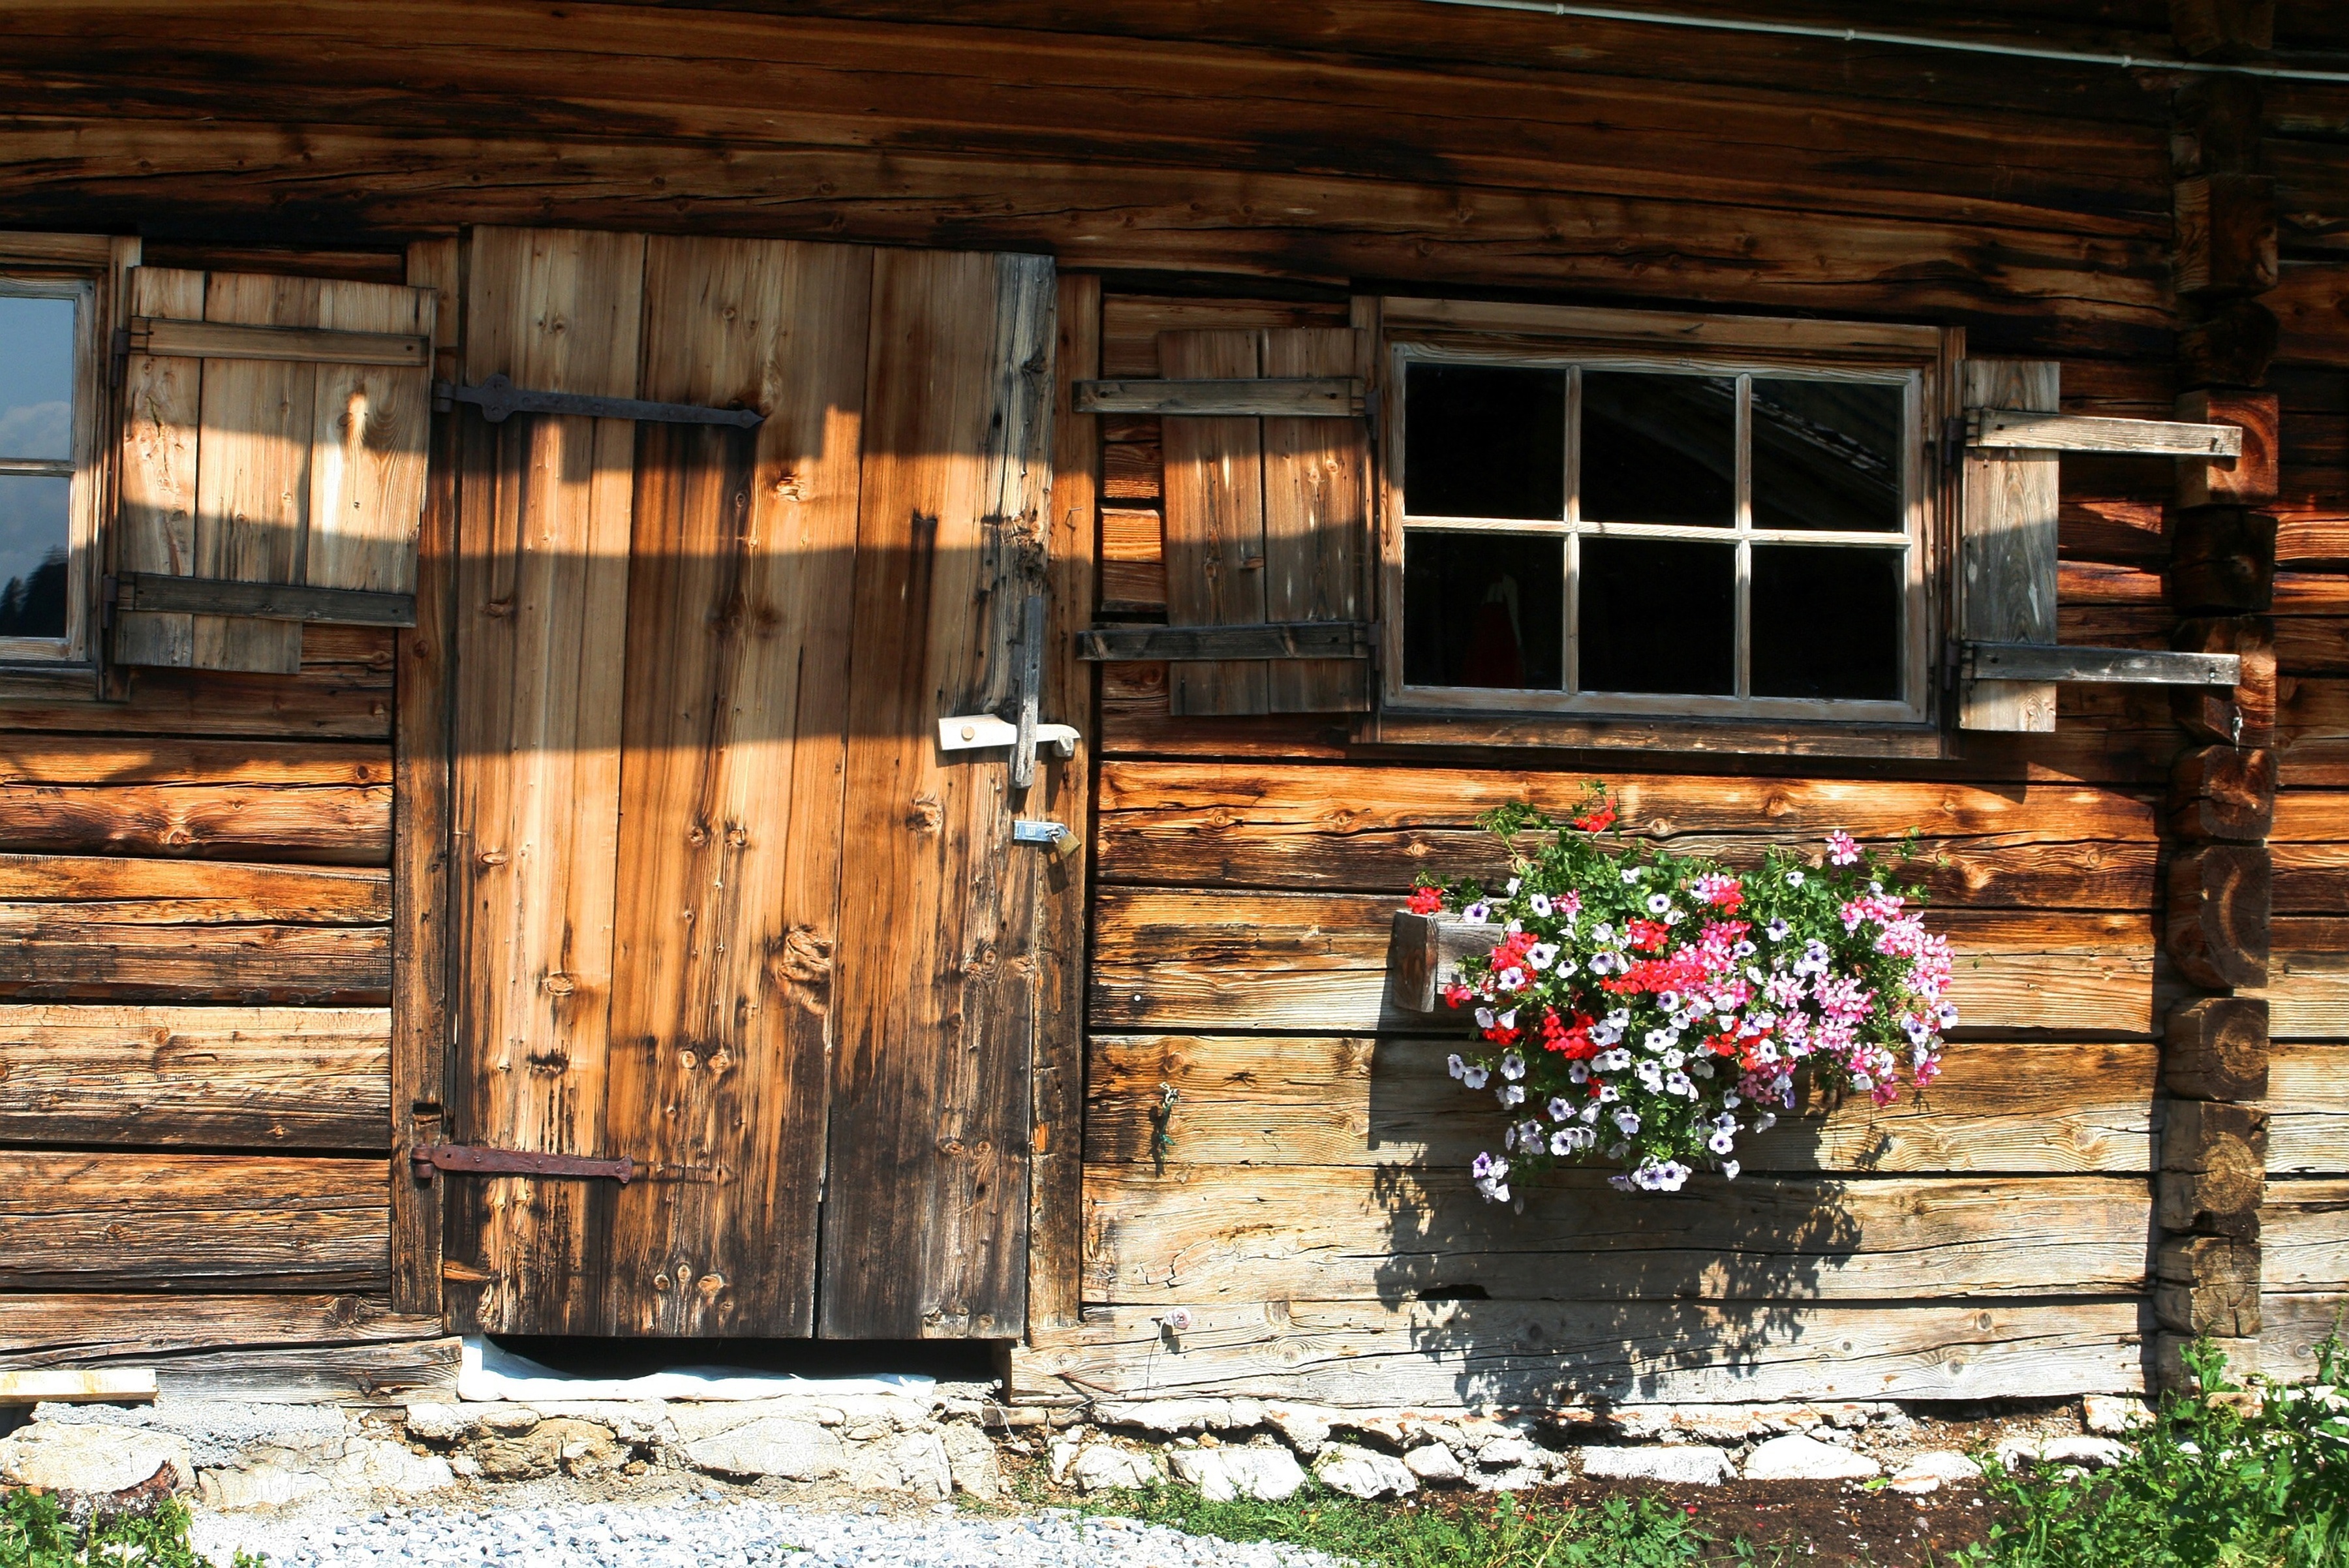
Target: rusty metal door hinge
[470,1159]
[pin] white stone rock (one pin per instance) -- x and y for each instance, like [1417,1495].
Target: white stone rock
[922,1465]
[1515,1479]
[1924,1474]
[1797,1458]
[92,1460]
[2093,1452]
[376,1464]
[1359,1472]
[1166,1415]
[264,1485]
[1435,1463]
[1692,1464]
[1064,1454]
[1505,1453]
[438,1423]
[1305,1427]
[771,1446]
[688,1424]
[2113,1415]
[971,1458]
[1100,1466]
[1265,1474]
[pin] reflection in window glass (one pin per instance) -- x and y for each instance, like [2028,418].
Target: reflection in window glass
[1827,454]
[1483,609]
[1485,440]
[1658,615]
[1826,622]
[33,519]
[35,377]
[1659,449]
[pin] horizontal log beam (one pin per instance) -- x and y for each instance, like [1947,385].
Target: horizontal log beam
[1202,1235]
[227,1077]
[2107,665]
[187,1221]
[163,592]
[2006,1107]
[316,344]
[1295,397]
[1273,640]
[86,1328]
[2020,430]
[1448,1354]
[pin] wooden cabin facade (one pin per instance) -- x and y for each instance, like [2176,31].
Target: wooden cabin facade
[589,547]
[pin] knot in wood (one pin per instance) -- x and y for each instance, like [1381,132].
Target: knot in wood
[952,1148]
[553,1059]
[712,1284]
[490,857]
[557,983]
[736,839]
[926,815]
[498,608]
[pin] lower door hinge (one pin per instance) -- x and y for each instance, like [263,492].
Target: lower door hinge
[470,1159]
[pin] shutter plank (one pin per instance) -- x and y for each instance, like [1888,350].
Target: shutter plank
[1216,537]
[368,434]
[253,471]
[162,404]
[542,623]
[2006,548]
[1315,520]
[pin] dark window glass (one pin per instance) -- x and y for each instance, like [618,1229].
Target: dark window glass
[1827,454]
[1826,622]
[35,377]
[34,518]
[1485,440]
[1483,609]
[1659,449]
[1658,615]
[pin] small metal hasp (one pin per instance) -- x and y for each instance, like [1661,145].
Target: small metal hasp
[1052,835]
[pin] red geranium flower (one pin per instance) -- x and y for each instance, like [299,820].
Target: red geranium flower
[1426,900]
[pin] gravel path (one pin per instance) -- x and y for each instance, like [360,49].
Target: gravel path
[720,1535]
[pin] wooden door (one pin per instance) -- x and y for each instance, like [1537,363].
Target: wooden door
[725,908]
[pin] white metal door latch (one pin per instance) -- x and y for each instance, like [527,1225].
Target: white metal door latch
[976,731]
[1052,835]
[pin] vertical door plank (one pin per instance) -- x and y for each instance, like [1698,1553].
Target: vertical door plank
[2006,545]
[253,471]
[1056,1195]
[370,429]
[924,1223]
[1316,523]
[541,632]
[421,878]
[740,591]
[1215,524]
[163,409]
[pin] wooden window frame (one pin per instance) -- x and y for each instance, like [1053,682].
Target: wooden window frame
[1923,360]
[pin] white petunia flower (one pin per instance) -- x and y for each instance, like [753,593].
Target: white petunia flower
[1457,1065]
[1475,1077]
[1512,1094]
[1627,1120]
[1658,903]
[1512,1066]
[1794,879]
[1540,904]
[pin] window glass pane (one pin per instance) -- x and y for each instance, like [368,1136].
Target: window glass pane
[1659,449]
[1827,454]
[1658,615]
[33,520]
[1485,440]
[35,377]
[1826,622]
[1483,609]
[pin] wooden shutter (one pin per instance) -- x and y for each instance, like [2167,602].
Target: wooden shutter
[273,463]
[1267,523]
[2015,434]
[2006,545]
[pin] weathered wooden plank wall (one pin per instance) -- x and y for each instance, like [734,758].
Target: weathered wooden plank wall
[1230,165]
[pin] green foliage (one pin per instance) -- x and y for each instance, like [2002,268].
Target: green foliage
[34,1534]
[2216,1481]
[1478,1533]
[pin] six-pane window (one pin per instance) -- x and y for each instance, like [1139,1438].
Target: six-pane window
[38,373]
[1610,536]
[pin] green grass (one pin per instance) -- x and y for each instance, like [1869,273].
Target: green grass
[1471,1532]
[2214,1482]
[34,1534]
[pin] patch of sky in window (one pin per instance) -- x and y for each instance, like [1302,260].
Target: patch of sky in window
[37,373]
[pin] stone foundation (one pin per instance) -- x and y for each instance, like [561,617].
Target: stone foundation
[960,1441]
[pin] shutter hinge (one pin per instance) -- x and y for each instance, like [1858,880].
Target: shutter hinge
[470,1160]
[118,363]
[497,397]
[1953,442]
